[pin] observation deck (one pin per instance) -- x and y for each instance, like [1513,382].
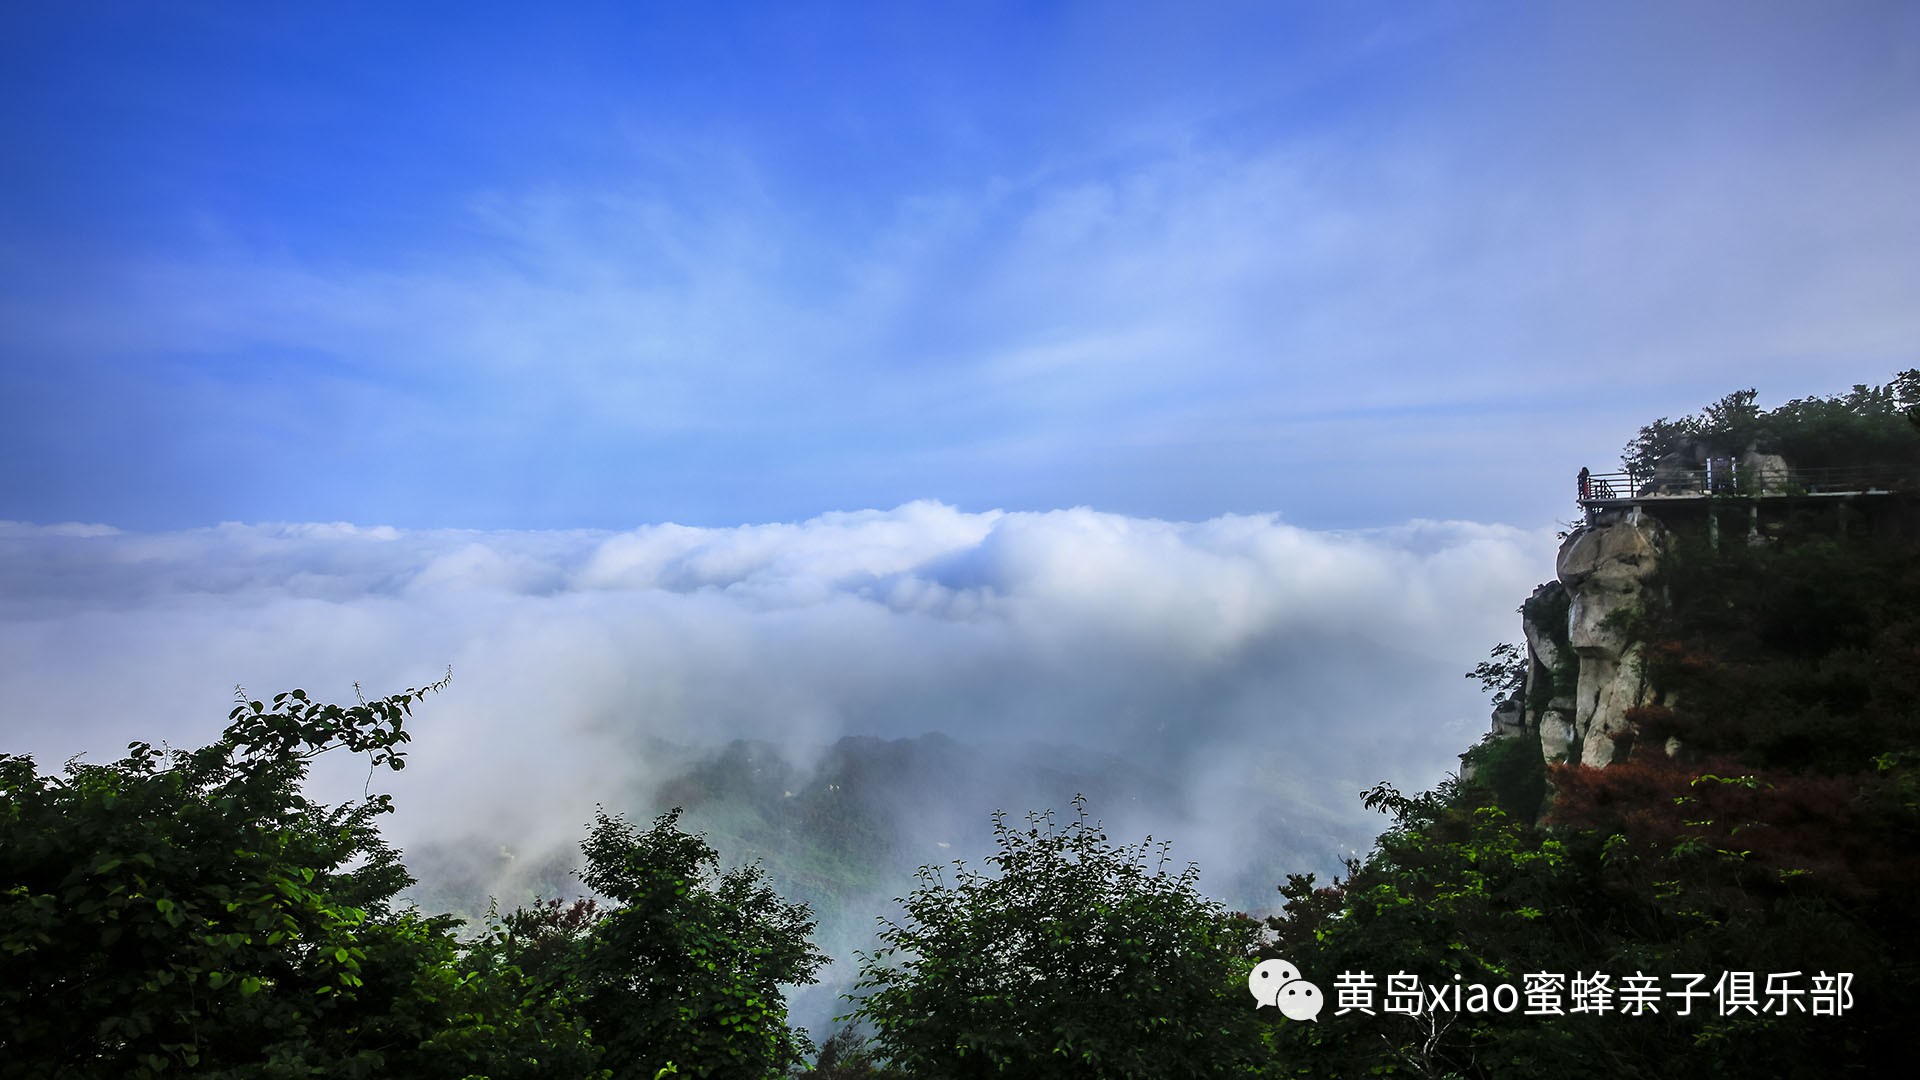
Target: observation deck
[1725,479]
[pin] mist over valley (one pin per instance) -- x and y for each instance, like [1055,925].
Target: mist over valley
[838,698]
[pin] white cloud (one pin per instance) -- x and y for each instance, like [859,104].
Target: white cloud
[1220,651]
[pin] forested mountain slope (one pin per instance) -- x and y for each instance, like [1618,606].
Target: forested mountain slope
[1691,845]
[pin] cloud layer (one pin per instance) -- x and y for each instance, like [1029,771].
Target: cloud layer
[1225,653]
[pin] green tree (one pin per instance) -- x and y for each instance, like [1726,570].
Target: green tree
[1870,425]
[193,912]
[1503,673]
[686,965]
[847,1055]
[1629,881]
[1656,441]
[1078,958]
[1762,817]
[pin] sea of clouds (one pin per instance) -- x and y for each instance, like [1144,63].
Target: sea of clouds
[1235,654]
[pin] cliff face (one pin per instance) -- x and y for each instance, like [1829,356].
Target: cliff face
[1604,569]
[1576,704]
[1582,673]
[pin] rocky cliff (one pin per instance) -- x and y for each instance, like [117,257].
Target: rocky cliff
[1582,672]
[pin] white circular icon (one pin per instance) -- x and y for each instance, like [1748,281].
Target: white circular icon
[1266,979]
[1301,1000]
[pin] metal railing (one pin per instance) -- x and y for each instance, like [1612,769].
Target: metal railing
[1726,478]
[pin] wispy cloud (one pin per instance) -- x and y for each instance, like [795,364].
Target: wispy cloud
[1456,244]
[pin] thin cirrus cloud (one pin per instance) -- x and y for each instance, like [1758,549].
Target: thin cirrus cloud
[1270,355]
[1328,265]
[1196,647]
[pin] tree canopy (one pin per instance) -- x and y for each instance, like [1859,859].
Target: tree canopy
[1869,425]
[1077,958]
[194,913]
[687,967]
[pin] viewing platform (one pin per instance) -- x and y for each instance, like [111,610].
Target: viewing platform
[1767,493]
[1725,479]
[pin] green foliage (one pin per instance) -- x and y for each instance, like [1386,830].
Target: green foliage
[1785,836]
[1656,441]
[1870,425]
[1458,890]
[687,965]
[1799,653]
[1078,958]
[1513,770]
[847,1055]
[1503,672]
[192,912]
[1906,395]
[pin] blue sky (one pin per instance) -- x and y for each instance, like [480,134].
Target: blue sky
[444,266]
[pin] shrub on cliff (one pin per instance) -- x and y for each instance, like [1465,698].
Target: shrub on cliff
[1513,770]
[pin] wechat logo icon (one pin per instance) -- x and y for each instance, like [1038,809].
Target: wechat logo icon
[1278,983]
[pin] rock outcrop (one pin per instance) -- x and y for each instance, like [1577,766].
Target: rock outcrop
[1605,568]
[1583,674]
[1764,474]
[1552,673]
